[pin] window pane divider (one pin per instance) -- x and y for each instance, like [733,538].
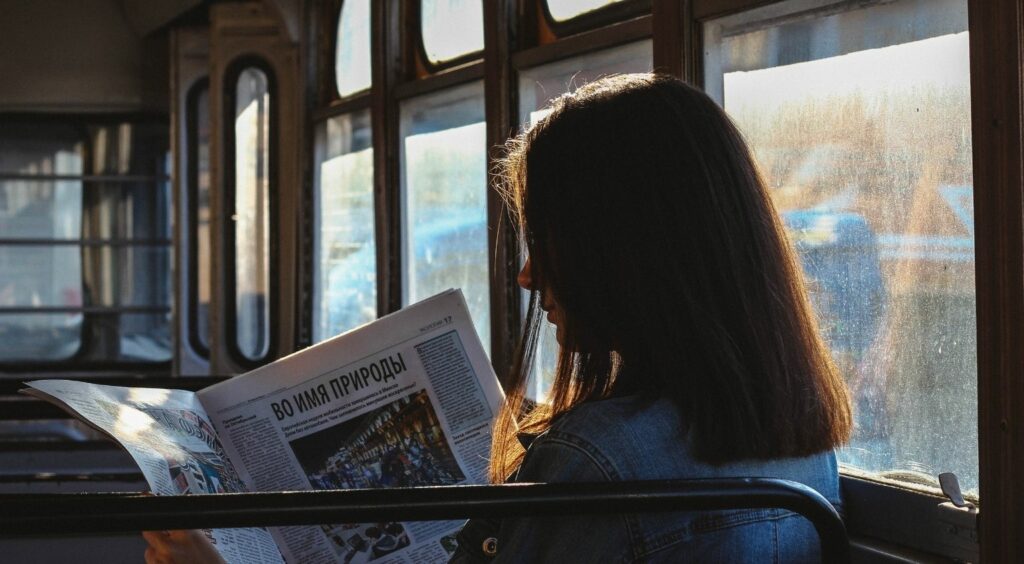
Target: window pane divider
[596,40]
[445,79]
[340,107]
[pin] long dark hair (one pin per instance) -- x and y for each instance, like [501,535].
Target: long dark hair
[646,220]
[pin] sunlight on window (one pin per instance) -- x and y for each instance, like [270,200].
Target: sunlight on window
[352,55]
[867,153]
[447,207]
[252,214]
[345,292]
[445,200]
[562,10]
[451,28]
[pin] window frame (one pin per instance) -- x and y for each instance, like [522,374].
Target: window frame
[232,72]
[997,99]
[594,19]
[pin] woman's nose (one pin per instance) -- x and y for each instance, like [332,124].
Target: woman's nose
[525,278]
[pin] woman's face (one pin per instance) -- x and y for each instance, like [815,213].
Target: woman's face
[554,314]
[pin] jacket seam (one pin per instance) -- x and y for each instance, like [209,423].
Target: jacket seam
[604,466]
[601,462]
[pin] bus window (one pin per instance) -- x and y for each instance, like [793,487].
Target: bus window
[84,243]
[451,29]
[352,48]
[859,117]
[444,191]
[251,215]
[537,87]
[345,287]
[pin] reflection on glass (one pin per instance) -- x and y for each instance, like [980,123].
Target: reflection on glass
[39,336]
[860,122]
[143,337]
[132,275]
[451,28]
[352,55]
[32,276]
[562,10]
[252,213]
[538,86]
[51,268]
[201,192]
[345,289]
[444,166]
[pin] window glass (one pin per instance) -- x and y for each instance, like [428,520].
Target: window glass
[352,55]
[451,28]
[252,214]
[860,120]
[562,10]
[345,291]
[538,86]
[84,262]
[200,199]
[444,181]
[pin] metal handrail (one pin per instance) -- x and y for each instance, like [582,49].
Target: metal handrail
[76,514]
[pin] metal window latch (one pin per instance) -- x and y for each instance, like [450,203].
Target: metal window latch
[951,487]
[958,519]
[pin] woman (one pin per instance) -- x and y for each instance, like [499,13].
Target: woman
[687,345]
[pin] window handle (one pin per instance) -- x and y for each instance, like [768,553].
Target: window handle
[957,518]
[951,488]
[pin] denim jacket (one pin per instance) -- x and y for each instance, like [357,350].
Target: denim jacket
[627,438]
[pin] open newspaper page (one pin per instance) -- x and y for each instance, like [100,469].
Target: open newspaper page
[170,437]
[408,400]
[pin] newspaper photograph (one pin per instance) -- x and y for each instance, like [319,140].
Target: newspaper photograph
[406,401]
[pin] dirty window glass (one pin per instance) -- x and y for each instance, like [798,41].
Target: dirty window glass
[345,287]
[252,214]
[352,55]
[860,119]
[562,10]
[451,28]
[444,185]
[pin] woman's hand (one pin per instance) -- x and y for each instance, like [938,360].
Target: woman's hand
[180,547]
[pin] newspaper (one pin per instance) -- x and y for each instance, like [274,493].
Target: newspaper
[408,400]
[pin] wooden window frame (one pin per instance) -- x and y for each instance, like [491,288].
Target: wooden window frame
[191,186]
[189,62]
[592,20]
